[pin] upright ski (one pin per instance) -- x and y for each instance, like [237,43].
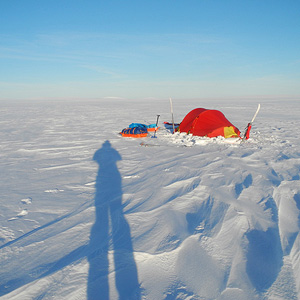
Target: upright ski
[171,105]
[248,128]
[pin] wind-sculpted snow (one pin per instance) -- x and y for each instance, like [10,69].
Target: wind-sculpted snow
[87,214]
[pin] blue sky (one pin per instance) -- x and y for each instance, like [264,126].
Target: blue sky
[64,49]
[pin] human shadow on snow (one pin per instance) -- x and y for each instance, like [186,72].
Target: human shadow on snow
[103,240]
[110,233]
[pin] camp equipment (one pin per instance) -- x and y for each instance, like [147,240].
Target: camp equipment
[135,132]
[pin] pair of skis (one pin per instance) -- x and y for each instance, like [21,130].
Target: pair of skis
[249,126]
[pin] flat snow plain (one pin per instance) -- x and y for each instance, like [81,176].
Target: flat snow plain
[87,214]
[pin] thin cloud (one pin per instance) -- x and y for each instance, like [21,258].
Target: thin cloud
[102,71]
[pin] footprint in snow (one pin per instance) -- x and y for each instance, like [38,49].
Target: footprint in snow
[23,213]
[54,191]
[26,200]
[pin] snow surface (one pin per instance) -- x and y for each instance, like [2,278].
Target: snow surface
[87,214]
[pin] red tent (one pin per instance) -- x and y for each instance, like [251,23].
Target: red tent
[208,122]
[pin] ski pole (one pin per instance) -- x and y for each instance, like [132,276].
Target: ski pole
[156,126]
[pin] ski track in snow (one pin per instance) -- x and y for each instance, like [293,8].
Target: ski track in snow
[184,218]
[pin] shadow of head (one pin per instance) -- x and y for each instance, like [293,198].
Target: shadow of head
[106,155]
